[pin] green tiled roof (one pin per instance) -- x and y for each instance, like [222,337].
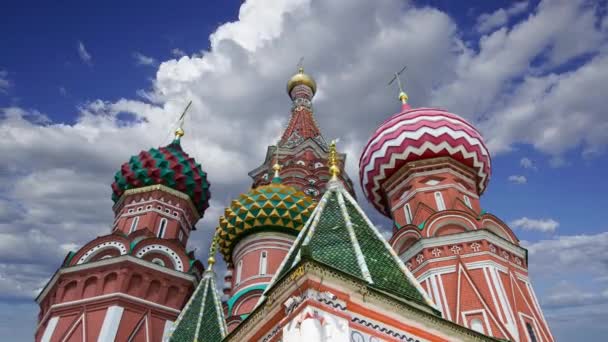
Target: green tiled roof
[341,236]
[202,319]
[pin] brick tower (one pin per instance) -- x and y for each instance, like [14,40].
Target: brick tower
[426,168]
[258,228]
[131,284]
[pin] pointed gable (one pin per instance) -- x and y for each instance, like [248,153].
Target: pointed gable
[202,319]
[339,235]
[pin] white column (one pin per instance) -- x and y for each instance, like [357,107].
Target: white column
[110,323]
[50,329]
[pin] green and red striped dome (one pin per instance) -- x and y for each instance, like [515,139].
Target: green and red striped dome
[169,166]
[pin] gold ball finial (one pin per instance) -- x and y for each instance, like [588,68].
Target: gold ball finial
[301,78]
[211,261]
[179,132]
[403,97]
[334,168]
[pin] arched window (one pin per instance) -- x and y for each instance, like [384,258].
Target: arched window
[439,201]
[477,325]
[161,227]
[239,271]
[467,201]
[408,214]
[263,262]
[531,332]
[134,224]
[158,261]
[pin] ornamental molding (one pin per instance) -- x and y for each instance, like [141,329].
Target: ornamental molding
[177,261]
[359,292]
[326,298]
[110,261]
[158,187]
[102,247]
[460,238]
[412,170]
[379,327]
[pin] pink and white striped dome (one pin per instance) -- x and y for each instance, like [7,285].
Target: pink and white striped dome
[418,134]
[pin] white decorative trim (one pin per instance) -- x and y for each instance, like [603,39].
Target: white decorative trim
[113,295]
[167,330]
[109,328]
[429,227]
[165,250]
[402,183]
[488,327]
[469,236]
[101,247]
[353,240]
[50,329]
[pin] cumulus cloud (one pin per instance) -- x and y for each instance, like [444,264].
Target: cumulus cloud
[541,225]
[504,83]
[5,83]
[518,179]
[527,163]
[85,56]
[141,59]
[489,21]
[177,52]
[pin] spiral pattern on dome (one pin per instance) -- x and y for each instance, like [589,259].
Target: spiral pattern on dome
[169,166]
[418,134]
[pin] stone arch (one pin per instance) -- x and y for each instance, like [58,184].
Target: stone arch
[110,283]
[90,287]
[134,284]
[498,229]
[69,291]
[404,240]
[172,296]
[157,248]
[153,291]
[457,223]
[100,249]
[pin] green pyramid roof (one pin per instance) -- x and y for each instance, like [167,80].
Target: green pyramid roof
[202,319]
[339,235]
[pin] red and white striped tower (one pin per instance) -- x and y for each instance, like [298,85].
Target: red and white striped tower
[131,284]
[426,168]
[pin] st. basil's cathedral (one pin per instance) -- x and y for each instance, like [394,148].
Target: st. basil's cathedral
[304,262]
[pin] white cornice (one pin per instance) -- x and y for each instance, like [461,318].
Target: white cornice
[480,234]
[429,173]
[104,262]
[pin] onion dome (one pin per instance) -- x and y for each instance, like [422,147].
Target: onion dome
[420,134]
[301,79]
[273,207]
[169,166]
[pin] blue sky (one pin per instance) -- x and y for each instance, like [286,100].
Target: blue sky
[85,85]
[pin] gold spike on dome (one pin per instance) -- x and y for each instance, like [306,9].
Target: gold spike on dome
[334,168]
[301,78]
[403,97]
[213,249]
[179,132]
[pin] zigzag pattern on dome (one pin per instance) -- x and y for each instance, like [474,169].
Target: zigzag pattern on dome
[273,207]
[420,134]
[169,166]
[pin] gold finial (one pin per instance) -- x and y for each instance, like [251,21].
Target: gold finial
[212,251]
[276,167]
[334,168]
[402,95]
[179,132]
[301,78]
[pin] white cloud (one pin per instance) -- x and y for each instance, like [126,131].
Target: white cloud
[527,163]
[85,56]
[518,179]
[541,225]
[489,21]
[177,52]
[5,83]
[141,59]
[239,107]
